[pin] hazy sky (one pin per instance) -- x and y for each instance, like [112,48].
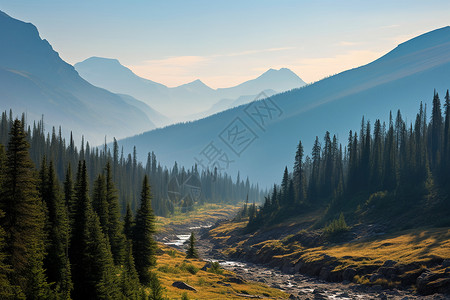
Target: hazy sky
[226,42]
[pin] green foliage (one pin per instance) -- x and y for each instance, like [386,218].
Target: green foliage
[215,268]
[191,251]
[129,279]
[184,296]
[143,243]
[24,218]
[189,268]
[337,226]
[156,290]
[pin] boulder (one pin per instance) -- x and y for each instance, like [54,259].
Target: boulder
[183,286]
[349,274]
[389,263]
[236,279]
[424,280]
[324,273]
[206,266]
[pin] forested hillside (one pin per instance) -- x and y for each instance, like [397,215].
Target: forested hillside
[128,173]
[395,172]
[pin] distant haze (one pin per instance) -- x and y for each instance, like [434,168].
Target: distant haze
[224,43]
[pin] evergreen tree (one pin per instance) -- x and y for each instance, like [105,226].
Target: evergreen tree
[298,174]
[128,223]
[144,245]
[115,230]
[57,261]
[130,287]
[94,274]
[24,219]
[100,204]
[191,251]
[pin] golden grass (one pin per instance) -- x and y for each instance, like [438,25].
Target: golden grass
[404,247]
[210,212]
[172,268]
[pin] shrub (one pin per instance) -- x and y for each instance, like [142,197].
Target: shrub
[336,227]
[190,268]
[215,268]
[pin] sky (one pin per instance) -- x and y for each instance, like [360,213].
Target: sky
[224,43]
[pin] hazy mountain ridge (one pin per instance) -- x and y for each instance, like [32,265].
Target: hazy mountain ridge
[185,102]
[400,79]
[36,80]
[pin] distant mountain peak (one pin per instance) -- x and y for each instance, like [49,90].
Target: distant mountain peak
[196,84]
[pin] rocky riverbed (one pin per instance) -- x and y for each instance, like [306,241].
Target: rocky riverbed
[297,285]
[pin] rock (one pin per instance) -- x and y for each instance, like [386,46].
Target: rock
[348,274]
[236,279]
[248,296]
[440,285]
[446,263]
[293,297]
[375,276]
[388,272]
[389,263]
[183,286]
[324,273]
[223,283]
[206,266]
[297,266]
[424,280]
[377,287]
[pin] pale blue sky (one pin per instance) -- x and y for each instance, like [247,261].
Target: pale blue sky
[226,42]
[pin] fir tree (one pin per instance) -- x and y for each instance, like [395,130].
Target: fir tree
[143,243]
[191,251]
[115,230]
[24,219]
[128,223]
[130,287]
[57,260]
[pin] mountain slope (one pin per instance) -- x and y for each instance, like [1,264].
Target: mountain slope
[185,101]
[399,80]
[34,79]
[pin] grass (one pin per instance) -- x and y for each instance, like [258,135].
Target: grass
[405,247]
[173,266]
[207,212]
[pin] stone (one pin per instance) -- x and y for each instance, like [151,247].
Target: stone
[446,263]
[206,266]
[183,286]
[349,274]
[389,263]
[324,273]
[236,279]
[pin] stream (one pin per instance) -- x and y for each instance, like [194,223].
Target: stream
[297,285]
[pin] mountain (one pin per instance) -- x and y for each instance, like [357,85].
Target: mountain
[35,80]
[401,79]
[185,102]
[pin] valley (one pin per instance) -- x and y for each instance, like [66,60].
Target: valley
[274,265]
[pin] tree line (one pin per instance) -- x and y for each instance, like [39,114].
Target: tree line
[127,171]
[60,241]
[393,160]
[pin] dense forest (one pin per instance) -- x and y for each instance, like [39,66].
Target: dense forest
[59,242]
[385,173]
[128,172]
[79,224]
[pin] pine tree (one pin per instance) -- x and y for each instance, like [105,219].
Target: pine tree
[128,223]
[298,174]
[94,274]
[115,230]
[143,243]
[99,202]
[130,287]
[57,261]
[24,219]
[191,251]
[436,133]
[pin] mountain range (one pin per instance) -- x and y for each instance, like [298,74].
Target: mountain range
[400,79]
[35,80]
[186,102]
